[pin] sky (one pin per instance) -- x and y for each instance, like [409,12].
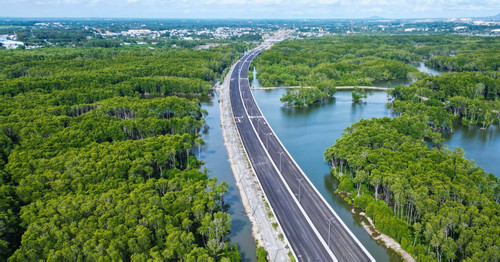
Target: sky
[250,9]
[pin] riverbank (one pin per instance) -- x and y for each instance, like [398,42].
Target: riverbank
[385,239]
[338,87]
[265,229]
[305,132]
[370,228]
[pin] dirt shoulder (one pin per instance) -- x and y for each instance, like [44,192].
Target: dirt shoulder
[258,211]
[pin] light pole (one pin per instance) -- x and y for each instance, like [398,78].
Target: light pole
[329,230]
[261,122]
[280,160]
[300,180]
[267,139]
[276,254]
[255,208]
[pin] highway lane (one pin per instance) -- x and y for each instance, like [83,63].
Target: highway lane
[285,184]
[306,244]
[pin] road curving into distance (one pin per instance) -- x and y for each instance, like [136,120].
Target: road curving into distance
[312,228]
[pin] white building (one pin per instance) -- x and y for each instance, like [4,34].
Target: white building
[10,44]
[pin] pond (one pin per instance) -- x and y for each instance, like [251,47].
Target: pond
[306,133]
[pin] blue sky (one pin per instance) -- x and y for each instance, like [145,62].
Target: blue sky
[249,9]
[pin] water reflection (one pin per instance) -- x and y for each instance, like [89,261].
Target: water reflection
[216,161]
[255,81]
[482,146]
[431,71]
[291,112]
[421,67]
[307,132]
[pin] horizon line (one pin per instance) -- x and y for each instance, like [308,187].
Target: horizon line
[233,18]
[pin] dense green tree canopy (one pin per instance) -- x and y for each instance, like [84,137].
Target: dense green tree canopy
[96,158]
[434,202]
[364,60]
[472,97]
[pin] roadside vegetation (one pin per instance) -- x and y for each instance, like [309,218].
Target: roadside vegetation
[97,157]
[432,200]
[364,60]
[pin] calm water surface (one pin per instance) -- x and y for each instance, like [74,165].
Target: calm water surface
[421,67]
[308,132]
[482,146]
[216,161]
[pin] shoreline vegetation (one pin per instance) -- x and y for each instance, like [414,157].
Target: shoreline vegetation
[370,228]
[97,159]
[376,88]
[431,200]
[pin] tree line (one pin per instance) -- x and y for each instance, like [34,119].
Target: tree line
[434,202]
[97,161]
[470,97]
[364,60]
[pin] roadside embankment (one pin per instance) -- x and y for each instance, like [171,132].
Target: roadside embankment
[265,230]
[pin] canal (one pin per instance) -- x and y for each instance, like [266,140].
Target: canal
[214,154]
[306,133]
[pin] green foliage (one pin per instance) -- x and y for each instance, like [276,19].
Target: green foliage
[473,97]
[477,54]
[332,61]
[281,237]
[261,255]
[302,97]
[435,202]
[114,71]
[358,94]
[97,160]
[335,61]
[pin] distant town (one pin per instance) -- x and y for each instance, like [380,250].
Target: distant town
[31,33]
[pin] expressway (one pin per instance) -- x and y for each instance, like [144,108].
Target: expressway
[311,226]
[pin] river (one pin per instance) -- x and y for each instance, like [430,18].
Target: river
[216,161]
[306,133]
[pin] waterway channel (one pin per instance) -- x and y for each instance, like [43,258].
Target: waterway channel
[306,133]
[214,154]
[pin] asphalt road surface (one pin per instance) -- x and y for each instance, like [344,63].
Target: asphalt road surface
[311,226]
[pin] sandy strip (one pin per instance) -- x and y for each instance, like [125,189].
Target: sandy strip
[385,239]
[247,183]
